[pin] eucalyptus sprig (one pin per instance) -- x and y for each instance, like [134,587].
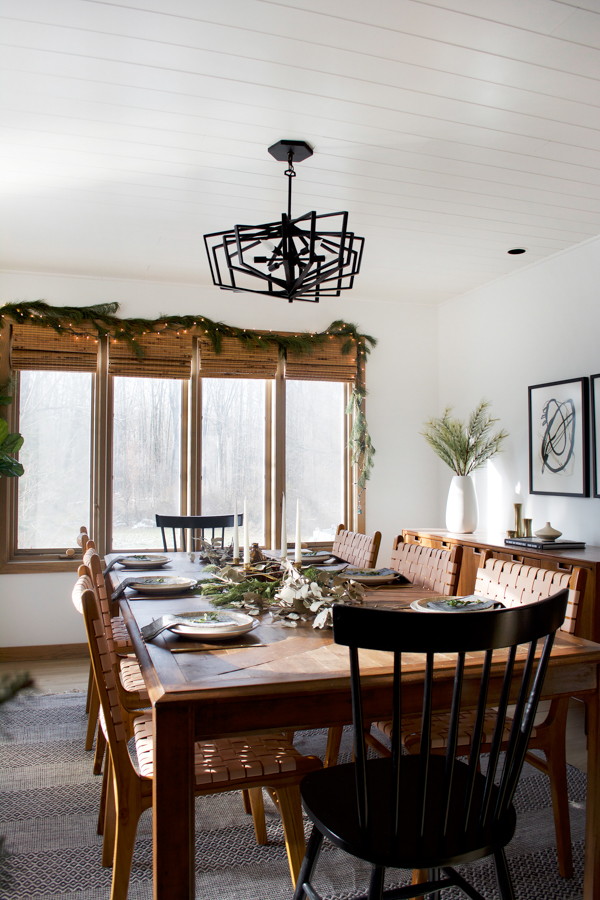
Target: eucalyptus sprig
[464,447]
[307,596]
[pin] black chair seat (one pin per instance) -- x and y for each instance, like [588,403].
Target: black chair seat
[329,798]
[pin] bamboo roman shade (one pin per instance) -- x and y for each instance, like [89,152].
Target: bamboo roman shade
[325,363]
[166,355]
[34,347]
[237,361]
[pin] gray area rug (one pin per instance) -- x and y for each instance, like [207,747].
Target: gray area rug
[49,803]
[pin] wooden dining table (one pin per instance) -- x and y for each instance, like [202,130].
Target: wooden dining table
[279,678]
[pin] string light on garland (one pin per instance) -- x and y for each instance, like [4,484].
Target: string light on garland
[101,321]
[303,258]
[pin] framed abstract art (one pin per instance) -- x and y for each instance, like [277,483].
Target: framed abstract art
[558,438]
[595,384]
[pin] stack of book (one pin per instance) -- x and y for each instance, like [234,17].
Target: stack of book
[533,543]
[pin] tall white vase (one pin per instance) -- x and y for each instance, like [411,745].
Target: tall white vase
[462,513]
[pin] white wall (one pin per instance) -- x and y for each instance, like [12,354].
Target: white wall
[541,324]
[402,382]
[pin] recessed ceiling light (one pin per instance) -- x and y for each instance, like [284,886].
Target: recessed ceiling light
[516,251]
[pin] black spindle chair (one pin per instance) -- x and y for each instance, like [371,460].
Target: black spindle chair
[195,523]
[432,812]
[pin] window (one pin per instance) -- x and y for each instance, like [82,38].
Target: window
[111,440]
[314,453]
[55,418]
[146,459]
[233,449]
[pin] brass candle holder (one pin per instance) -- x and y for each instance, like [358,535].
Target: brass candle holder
[235,561]
[518,520]
[527,529]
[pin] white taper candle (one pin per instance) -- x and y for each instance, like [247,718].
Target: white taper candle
[246,537]
[283,529]
[236,535]
[298,554]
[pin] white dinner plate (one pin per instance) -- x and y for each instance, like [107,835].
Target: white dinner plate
[144,561]
[321,560]
[367,576]
[223,627]
[161,584]
[439,605]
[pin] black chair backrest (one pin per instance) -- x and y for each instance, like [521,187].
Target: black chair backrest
[461,633]
[195,523]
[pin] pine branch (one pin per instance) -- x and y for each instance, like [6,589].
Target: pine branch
[101,320]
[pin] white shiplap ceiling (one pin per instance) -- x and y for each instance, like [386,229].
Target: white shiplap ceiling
[451,130]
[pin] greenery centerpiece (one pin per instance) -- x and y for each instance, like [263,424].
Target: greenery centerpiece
[465,447]
[292,597]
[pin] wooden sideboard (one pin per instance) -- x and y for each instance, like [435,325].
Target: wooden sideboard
[564,560]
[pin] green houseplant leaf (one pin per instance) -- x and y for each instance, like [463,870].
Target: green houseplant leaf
[9,443]
[12,443]
[9,466]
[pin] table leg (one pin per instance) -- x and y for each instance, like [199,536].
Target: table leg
[591,879]
[173,802]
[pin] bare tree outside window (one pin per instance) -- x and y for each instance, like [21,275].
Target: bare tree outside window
[54,493]
[233,449]
[314,456]
[146,459]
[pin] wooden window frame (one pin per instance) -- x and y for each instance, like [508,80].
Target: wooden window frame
[13,560]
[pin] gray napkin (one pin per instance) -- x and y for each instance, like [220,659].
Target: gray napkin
[127,582]
[149,632]
[113,563]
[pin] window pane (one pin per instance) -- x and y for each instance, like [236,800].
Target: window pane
[233,449]
[314,451]
[146,459]
[54,493]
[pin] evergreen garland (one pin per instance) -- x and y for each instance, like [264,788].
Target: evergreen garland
[101,320]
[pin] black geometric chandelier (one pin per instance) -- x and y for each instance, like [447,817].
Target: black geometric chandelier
[306,258]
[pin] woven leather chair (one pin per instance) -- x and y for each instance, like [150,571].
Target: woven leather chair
[135,695]
[82,540]
[426,812]
[92,704]
[357,549]
[515,585]
[427,567]
[132,689]
[434,570]
[221,765]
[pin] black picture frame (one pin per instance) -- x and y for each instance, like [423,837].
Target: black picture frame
[595,416]
[559,438]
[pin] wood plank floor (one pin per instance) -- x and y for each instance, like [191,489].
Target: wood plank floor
[58,676]
[53,676]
